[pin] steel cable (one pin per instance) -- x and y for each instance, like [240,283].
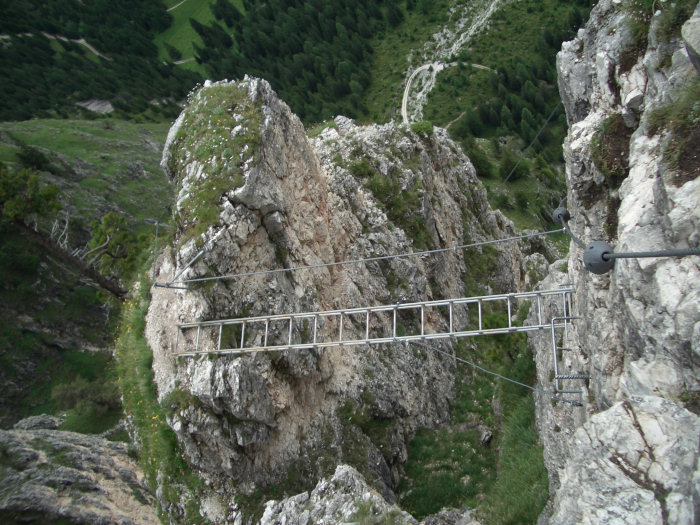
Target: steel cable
[683,252]
[486,371]
[353,261]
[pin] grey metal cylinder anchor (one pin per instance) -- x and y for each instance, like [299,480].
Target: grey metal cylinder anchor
[561,215]
[595,257]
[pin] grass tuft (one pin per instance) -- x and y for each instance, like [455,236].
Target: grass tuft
[681,119]
[221,130]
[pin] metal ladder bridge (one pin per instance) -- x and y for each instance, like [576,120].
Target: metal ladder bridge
[401,322]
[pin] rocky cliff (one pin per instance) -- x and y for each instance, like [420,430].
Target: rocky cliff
[630,454]
[256,193]
[52,476]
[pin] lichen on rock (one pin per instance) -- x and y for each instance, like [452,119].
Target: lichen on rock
[50,475]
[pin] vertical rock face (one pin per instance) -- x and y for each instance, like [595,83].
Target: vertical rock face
[630,455]
[254,194]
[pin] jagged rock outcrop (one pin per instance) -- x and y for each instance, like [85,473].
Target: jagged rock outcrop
[255,193]
[344,498]
[347,498]
[49,475]
[630,454]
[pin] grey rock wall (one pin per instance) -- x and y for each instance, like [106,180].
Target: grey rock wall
[629,455]
[47,475]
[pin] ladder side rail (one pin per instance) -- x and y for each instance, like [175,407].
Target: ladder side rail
[367,325]
[377,340]
[510,315]
[480,318]
[422,320]
[443,302]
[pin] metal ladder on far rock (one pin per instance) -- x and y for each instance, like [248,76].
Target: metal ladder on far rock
[563,322]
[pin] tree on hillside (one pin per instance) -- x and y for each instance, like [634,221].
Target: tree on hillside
[224,10]
[23,199]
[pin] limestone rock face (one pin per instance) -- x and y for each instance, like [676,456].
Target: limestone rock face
[691,37]
[637,338]
[344,498]
[644,451]
[51,475]
[284,200]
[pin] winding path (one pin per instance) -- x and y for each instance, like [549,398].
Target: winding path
[442,46]
[436,68]
[80,41]
[176,6]
[407,89]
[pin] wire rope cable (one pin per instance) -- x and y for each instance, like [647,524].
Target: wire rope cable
[508,379]
[573,236]
[599,257]
[352,261]
[683,252]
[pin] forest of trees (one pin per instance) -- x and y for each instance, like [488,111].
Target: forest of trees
[523,92]
[315,53]
[44,76]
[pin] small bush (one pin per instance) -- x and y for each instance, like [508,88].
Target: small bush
[482,164]
[521,200]
[610,149]
[33,158]
[84,395]
[362,169]
[639,15]
[509,166]
[672,17]
[423,128]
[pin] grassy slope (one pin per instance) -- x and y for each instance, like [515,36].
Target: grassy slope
[61,317]
[181,35]
[159,453]
[512,34]
[102,150]
[100,153]
[450,467]
[390,62]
